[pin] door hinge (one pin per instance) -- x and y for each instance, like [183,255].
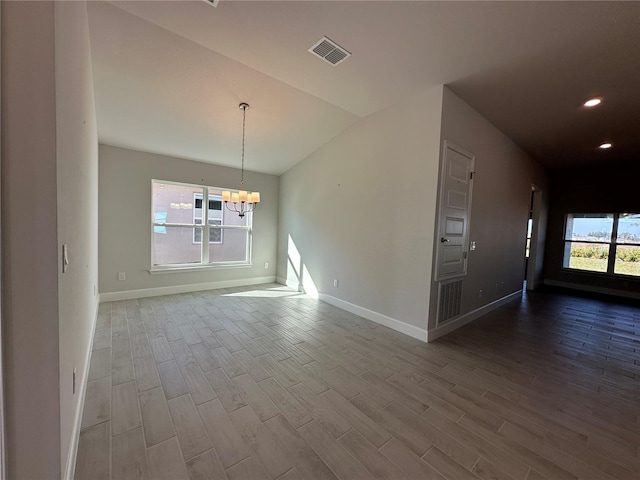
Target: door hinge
[471,175]
[464,255]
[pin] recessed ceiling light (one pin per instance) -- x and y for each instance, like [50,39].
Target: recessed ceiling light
[592,102]
[605,146]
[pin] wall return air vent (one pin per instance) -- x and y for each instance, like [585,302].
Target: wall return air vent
[329,51]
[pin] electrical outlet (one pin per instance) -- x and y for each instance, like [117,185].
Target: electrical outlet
[335,283]
[122,276]
[266,264]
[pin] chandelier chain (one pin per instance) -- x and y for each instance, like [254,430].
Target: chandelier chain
[244,118]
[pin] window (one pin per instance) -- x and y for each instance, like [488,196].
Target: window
[606,243]
[180,222]
[216,217]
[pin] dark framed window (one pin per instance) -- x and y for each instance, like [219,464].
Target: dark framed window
[603,242]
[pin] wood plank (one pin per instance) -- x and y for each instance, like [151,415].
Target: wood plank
[129,461]
[125,413]
[365,425]
[197,384]
[226,439]
[293,411]
[192,436]
[206,466]
[161,350]
[370,457]
[203,357]
[156,419]
[94,453]
[171,379]
[262,405]
[165,461]
[332,453]
[97,404]
[305,459]
[100,364]
[146,373]
[322,412]
[230,396]
[407,461]
[247,468]
[182,353]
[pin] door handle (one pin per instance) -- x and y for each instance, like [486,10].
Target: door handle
[443,240]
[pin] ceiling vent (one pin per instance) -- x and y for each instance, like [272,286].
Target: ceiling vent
[329,51]
[213,3]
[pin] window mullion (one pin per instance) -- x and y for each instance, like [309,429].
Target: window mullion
[613,246]
[205,226]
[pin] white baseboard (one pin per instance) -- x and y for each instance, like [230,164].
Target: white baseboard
[392,323]
[193,287]
[288,283]
[471,316]
[69,472]
[593,288]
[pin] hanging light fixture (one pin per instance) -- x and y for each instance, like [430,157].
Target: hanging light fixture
[243,201]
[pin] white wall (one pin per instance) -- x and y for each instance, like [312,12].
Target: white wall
[361,209]
[49,197]
[29,240]
[501,193]
[77,192]
[125,215]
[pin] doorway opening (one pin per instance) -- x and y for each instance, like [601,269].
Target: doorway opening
[530,257]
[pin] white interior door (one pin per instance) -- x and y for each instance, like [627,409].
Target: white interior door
[453,218]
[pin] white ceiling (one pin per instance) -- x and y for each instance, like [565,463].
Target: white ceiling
[169,75]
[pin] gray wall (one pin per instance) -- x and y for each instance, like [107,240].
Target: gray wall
[77,178]
[608,188]
[125,215]
[29,254]
[48,144]
[500,206]
[361,210]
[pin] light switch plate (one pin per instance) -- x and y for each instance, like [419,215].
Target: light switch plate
[65,258]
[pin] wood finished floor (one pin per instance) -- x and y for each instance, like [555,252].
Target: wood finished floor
[262,383]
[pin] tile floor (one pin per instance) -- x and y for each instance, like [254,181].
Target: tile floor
[264,383]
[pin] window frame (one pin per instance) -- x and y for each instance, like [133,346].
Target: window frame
[205,227]
[221,220]
[612,244]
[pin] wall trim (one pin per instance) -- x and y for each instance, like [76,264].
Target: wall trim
[592,288]
[70,468]
[392,323]
[173,289]
[288,283]
[471,316]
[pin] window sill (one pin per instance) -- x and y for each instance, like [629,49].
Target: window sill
[601,274]
[197,268]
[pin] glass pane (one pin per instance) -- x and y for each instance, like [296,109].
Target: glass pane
[629,228]
[177,246]
[592,227]
[215,234]
[627,260]
[233,247]
[586,256]
[529,227]
[176,203]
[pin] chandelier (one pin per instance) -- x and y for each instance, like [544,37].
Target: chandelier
[241,201]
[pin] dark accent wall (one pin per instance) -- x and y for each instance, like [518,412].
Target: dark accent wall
[603,188]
